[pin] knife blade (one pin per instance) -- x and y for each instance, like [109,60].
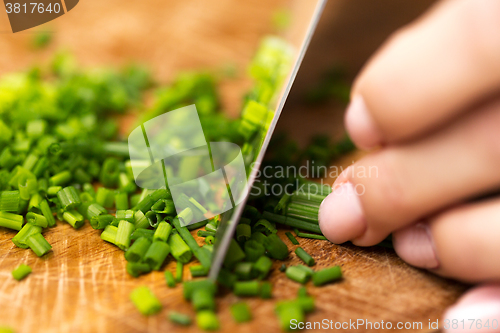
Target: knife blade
[303,33]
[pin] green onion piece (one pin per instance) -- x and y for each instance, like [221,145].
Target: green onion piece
[276,248]
[40,167]
[146,233]
[253,250]
[121,200]
[162,232]
[156,254]
[125,184]
[291,238]
[11,221]
[89,188]
[47,212]
[153,218]
[304,256]
[141,222]
[109,234]
[241,312]
[204,233]
[306,303]
[263,266]
[179,269]
[203,299]
[110,172]
[185,217]
[179,318]
[252,213]
[101,221]
[258,237]
[189,287]
[180,250]
[289,313]
[264,226]
[211,227]
[198,271]
[43,185]
[145,301]
[20,238]
[69,198]
[145,204]
[243,232]
[327,275]
[53,190]
[164,206]
[282,268]
[169,278]
[207,320]
[226,278]
[9,201]
[302,292]
[105,197]
[308,235]
[21,272]
[38,244]
[297,208]
[244,270]
[127,215]
[75,219]
[94,210]
[245,220]
[234,255]
[292,222]
[210,240]
[36,219]
[309,271]
[60,179]
[137,268]
[296,274]
[201,255]
[123,234]
[266,290]
[197,225]
[281,207]
[247,288]
[136,252]
[318,198]
[81,176]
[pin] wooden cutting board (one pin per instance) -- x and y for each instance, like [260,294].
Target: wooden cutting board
[82,285]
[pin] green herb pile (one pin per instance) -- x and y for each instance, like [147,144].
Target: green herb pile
[62,158]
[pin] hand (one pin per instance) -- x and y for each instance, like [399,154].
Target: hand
[430,99]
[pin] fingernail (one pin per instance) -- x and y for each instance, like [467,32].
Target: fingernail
[415,246]
[471,313]
[360,124]
[341,216]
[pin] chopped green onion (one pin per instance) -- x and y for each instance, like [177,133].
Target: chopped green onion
[136,252]
[241,312]
[309,235]
[60,179]
[9,201]
[75,219]
[198,271]
[265,226]
[189,287]
[137,268]
[38,244]
[105,197]
[180,250]
[243,232]
[127,215]
[20,238]
[146,233]
[53,190]
[234,255]
[296,274]
[258,237]
[226,278]
[69,198]
[162,232]
[121,201]
[203,299]
[47,212]
[179,318]
[156,254]
[276,248]
[186,216]
[291,238]
[36,219]
[109,234]
[304,256]
[141,222]
[94,210]
[288,313]
[243,270]
[21,272]
[145,301]
[207,320]
[110,172]
[101,221]
[292,222]
[327,275]
[164,206]
[11,221]
[266,290]
[247,288]
[123,234]
[253,250]
[302,292]
[204,233]
[169,278]
[202,256]
[210,240]
[263,266]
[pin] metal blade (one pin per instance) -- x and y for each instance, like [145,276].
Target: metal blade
[302,36]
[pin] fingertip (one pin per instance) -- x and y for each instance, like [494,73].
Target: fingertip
[360,125]
[414,245]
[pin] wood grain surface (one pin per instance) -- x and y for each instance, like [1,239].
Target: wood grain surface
[82,286]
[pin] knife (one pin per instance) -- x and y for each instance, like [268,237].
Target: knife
[303,33]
